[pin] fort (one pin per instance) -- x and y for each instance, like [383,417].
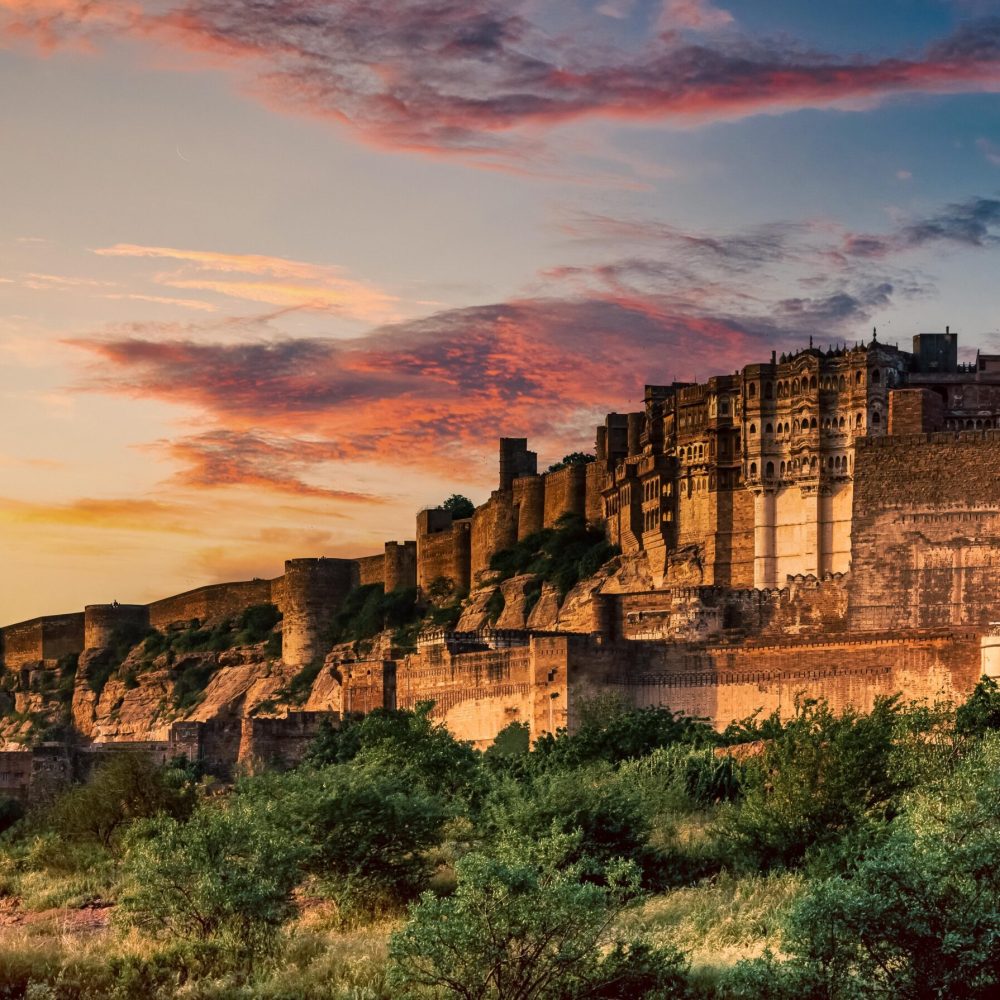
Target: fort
[823,524]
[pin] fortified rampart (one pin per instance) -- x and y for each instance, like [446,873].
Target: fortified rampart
[827,523]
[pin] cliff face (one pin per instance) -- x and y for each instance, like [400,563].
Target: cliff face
[136,696]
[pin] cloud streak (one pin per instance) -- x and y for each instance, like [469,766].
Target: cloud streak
[475,76]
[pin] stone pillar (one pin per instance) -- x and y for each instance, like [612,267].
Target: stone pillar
[763,540]
[812,533]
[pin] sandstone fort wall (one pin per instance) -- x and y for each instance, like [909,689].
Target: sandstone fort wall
[209,604]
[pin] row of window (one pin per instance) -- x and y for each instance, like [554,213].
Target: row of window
[841,464]
[794,386]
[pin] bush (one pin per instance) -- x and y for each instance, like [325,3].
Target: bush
[410,744]
[610,732]
[561,555]
[826,777]
[365,832]
[573,458]
[920,914]
[523,924]
[226,875]
[459,507]
[981,711]
[368,610]
[126,788]
[606,811]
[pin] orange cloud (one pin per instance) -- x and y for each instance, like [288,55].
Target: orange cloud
[295,284]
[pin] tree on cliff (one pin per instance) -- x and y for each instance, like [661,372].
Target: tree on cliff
[459,507]
[573,458]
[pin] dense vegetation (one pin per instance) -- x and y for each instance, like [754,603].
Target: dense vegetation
[644,856]
[562,555]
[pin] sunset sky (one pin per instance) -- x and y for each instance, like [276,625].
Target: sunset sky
[276,274]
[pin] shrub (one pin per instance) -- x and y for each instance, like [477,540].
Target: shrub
[459,507]
[605,810]
[825,777]
[126,788]
[919,916]
[560,555]
[368,610]
[366,833]
[225,875]
[981,711]
[573,458]
[401,742]
[524,925]
[610,732]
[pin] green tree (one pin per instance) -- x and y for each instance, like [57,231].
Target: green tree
[405,743]
[225,876]
[981,711]
[364,832]
[525,925]
[826,776]
[459,506]
[920,915]
[126,788]
[573,458]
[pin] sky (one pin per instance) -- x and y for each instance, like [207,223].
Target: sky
[275,274]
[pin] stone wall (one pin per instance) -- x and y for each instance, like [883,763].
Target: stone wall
[565,493]
[915,411]
[729,683]
[494,527]
[444,549]
[529,504]
[926,546]
[400,565]
[209,604]
[49,638]
[370,569]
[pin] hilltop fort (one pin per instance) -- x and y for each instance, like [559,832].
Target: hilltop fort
[825,523]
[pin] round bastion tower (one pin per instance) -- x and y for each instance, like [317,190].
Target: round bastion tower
[314,590]
[102,621]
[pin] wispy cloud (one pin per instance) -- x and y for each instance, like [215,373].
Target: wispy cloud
[272,280]
[472,76]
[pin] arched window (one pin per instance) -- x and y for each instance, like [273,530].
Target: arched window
[795,387]
[857,420]
[769,429]
[753,469]
[796,426]
[753,428]
[876,418]
[769,470]
[842,385]
[782,468]
[876,375]
[752,390]
[813,424]
[812,463]
[840,425]
[857,377]
[812,382]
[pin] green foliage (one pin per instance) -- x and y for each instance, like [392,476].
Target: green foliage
[605,811]
[524,924]
[561,555]
[920,914]
[459,507]
[495,605]
[369,610]
[610,732]
[981,711]
[513,740]
[225,875]
[406,743]
[126,788]
[825,777]
[190,682]
[573,458]
[366,832]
